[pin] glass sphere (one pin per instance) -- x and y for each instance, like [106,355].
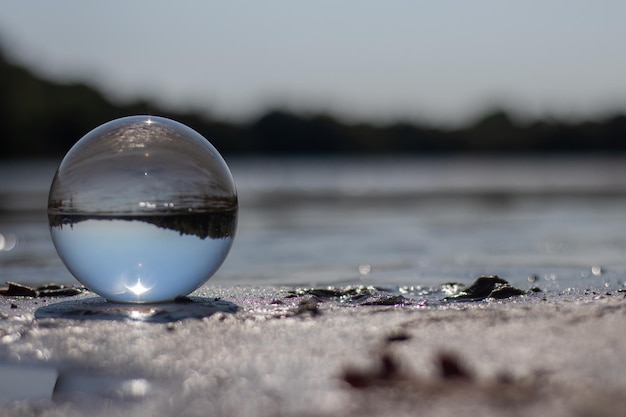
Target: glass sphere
[142,209]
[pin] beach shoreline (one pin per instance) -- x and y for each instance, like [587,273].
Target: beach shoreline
[243,351]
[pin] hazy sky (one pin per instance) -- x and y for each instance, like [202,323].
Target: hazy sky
[439,60]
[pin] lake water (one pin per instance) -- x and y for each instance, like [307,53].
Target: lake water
[555,223]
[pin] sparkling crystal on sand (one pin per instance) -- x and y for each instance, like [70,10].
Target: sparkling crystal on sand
[143,209]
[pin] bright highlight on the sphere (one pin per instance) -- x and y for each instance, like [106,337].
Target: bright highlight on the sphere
[142,209]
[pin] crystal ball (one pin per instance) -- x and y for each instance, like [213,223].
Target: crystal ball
[142,209]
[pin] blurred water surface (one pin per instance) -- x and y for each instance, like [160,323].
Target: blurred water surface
[556,223]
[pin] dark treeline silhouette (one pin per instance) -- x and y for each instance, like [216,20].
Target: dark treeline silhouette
[39,117]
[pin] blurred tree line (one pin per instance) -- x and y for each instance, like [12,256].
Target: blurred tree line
[44,118]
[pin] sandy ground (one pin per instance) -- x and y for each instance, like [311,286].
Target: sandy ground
[269,352]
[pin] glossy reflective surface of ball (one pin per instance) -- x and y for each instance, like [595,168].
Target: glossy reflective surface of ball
[143,209]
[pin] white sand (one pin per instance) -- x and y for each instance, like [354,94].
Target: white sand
[526,356]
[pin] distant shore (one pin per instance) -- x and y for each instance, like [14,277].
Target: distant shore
[49,117]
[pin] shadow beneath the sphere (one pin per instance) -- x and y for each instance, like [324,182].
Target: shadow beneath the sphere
[97,308]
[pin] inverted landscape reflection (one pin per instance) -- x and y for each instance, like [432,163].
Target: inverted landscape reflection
[133,261]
